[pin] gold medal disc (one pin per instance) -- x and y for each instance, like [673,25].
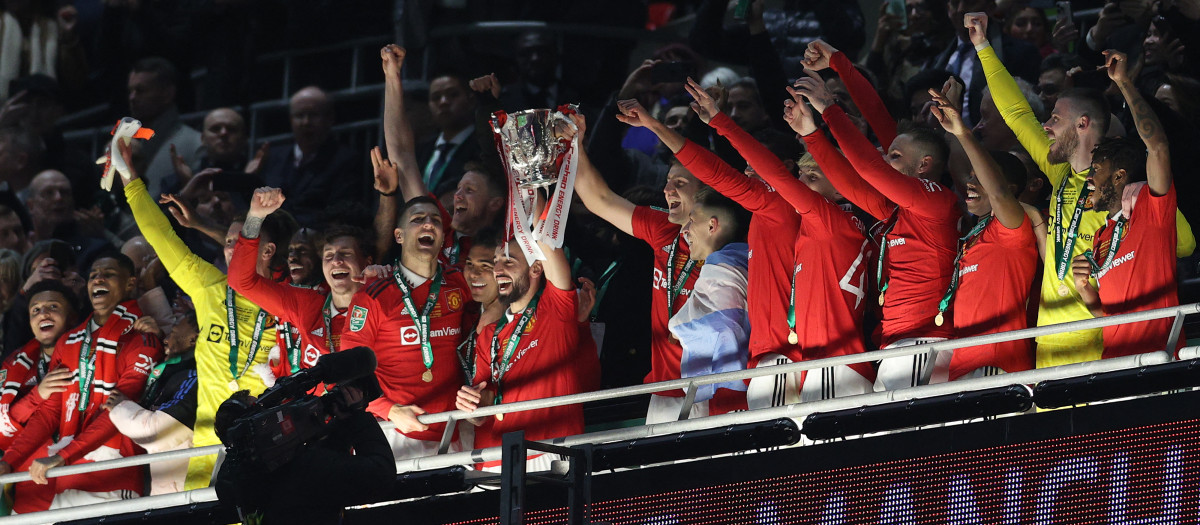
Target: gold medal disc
[792,337]
[939,319]
[233,386]
[1063,291]
[427,376]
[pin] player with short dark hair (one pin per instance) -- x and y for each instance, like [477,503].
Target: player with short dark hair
[312,319]
[413,319]
[997,258]
[1133,262]
[918,216]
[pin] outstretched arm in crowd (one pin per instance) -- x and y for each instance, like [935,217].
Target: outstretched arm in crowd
[820,55]
[906,192]
[702,163]
[243,275]
[1005,205]
[397,132]
[1158,154]
[595,193]
[188,270]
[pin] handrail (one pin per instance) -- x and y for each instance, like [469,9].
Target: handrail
[858,400]
[865,357]
[795,411]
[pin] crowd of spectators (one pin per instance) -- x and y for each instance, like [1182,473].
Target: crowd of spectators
[792,189]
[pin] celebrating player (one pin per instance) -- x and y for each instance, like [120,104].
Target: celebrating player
[674,273]
[235,334]
[1133,263]
[996,261]
[529,353]
[1062,148]
[106,355]
[413,320]
[29,381]
[920,217]
[316,317]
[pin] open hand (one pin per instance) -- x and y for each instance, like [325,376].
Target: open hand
[638,82]
[55,381]
[182,170]
[947,114]
[374,271]
[704,105]
[387,174]
[183,213]
[587,299]
[256,163]
[798,115]
[115,398]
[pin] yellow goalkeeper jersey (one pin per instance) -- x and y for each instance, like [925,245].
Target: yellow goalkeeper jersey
[208,289]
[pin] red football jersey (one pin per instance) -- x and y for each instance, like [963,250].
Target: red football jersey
[378,320]
[923,237]
[1141,275]
[994,279]
[652,226]
[544,364]
[123,360]
[20,375]
[773,221]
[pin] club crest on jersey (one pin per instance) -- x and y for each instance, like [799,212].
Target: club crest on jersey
[358,318]
[454,300]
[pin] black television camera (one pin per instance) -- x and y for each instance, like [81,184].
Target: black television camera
[286,417]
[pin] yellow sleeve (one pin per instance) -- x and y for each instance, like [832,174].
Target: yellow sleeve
[1017,113]
[1185,242]
[187,269]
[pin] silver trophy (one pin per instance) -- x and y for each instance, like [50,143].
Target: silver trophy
[530,146]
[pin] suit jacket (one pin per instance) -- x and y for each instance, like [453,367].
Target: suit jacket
[333,174]
[448,181]
[1021,58]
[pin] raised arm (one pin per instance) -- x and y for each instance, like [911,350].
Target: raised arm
[243,274]
[595,193]
[917,195]
[820,55]
[397,133]
[1005,206]
[387,183]
[1158,154]
[1008,98]
[187,269]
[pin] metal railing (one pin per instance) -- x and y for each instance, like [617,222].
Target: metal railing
[683,425]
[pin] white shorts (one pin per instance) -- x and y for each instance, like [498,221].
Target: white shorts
[404,447]
[664,409]
[803,386]
[906,371]
[75,498]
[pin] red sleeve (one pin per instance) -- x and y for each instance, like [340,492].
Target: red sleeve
[1161,209]
[22,410]
[137,358]
[269,295]
[766,164]
[839,171]
[37,432]
[711,170]
[922,197]
[366,337]
[380,407]
[866,98]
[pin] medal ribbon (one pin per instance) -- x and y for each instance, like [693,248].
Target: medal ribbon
[87,368]
[466,357]
[1118,231]
[963,244]
[883,247]
[791,320]
[260,323]
[421,319]
[675,282]
[156,374]
[1064,241]
[514,340]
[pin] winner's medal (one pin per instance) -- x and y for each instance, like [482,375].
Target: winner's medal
[793,338]
[427,376]
[1063,291]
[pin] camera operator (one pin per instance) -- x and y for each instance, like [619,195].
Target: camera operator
[344,460]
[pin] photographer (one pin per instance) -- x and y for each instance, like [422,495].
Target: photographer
[345,450]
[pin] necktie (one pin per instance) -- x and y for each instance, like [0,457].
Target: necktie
[438,165]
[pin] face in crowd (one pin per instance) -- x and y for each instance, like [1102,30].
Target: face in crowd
[342,258]
[109,283]
[50,315]
[514,276]
[480,273]
[302,258]
[680,192]
[420,230]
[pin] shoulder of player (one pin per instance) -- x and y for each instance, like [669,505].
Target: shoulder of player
[650,224]
[138,339]
[374,289]
[24,357]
